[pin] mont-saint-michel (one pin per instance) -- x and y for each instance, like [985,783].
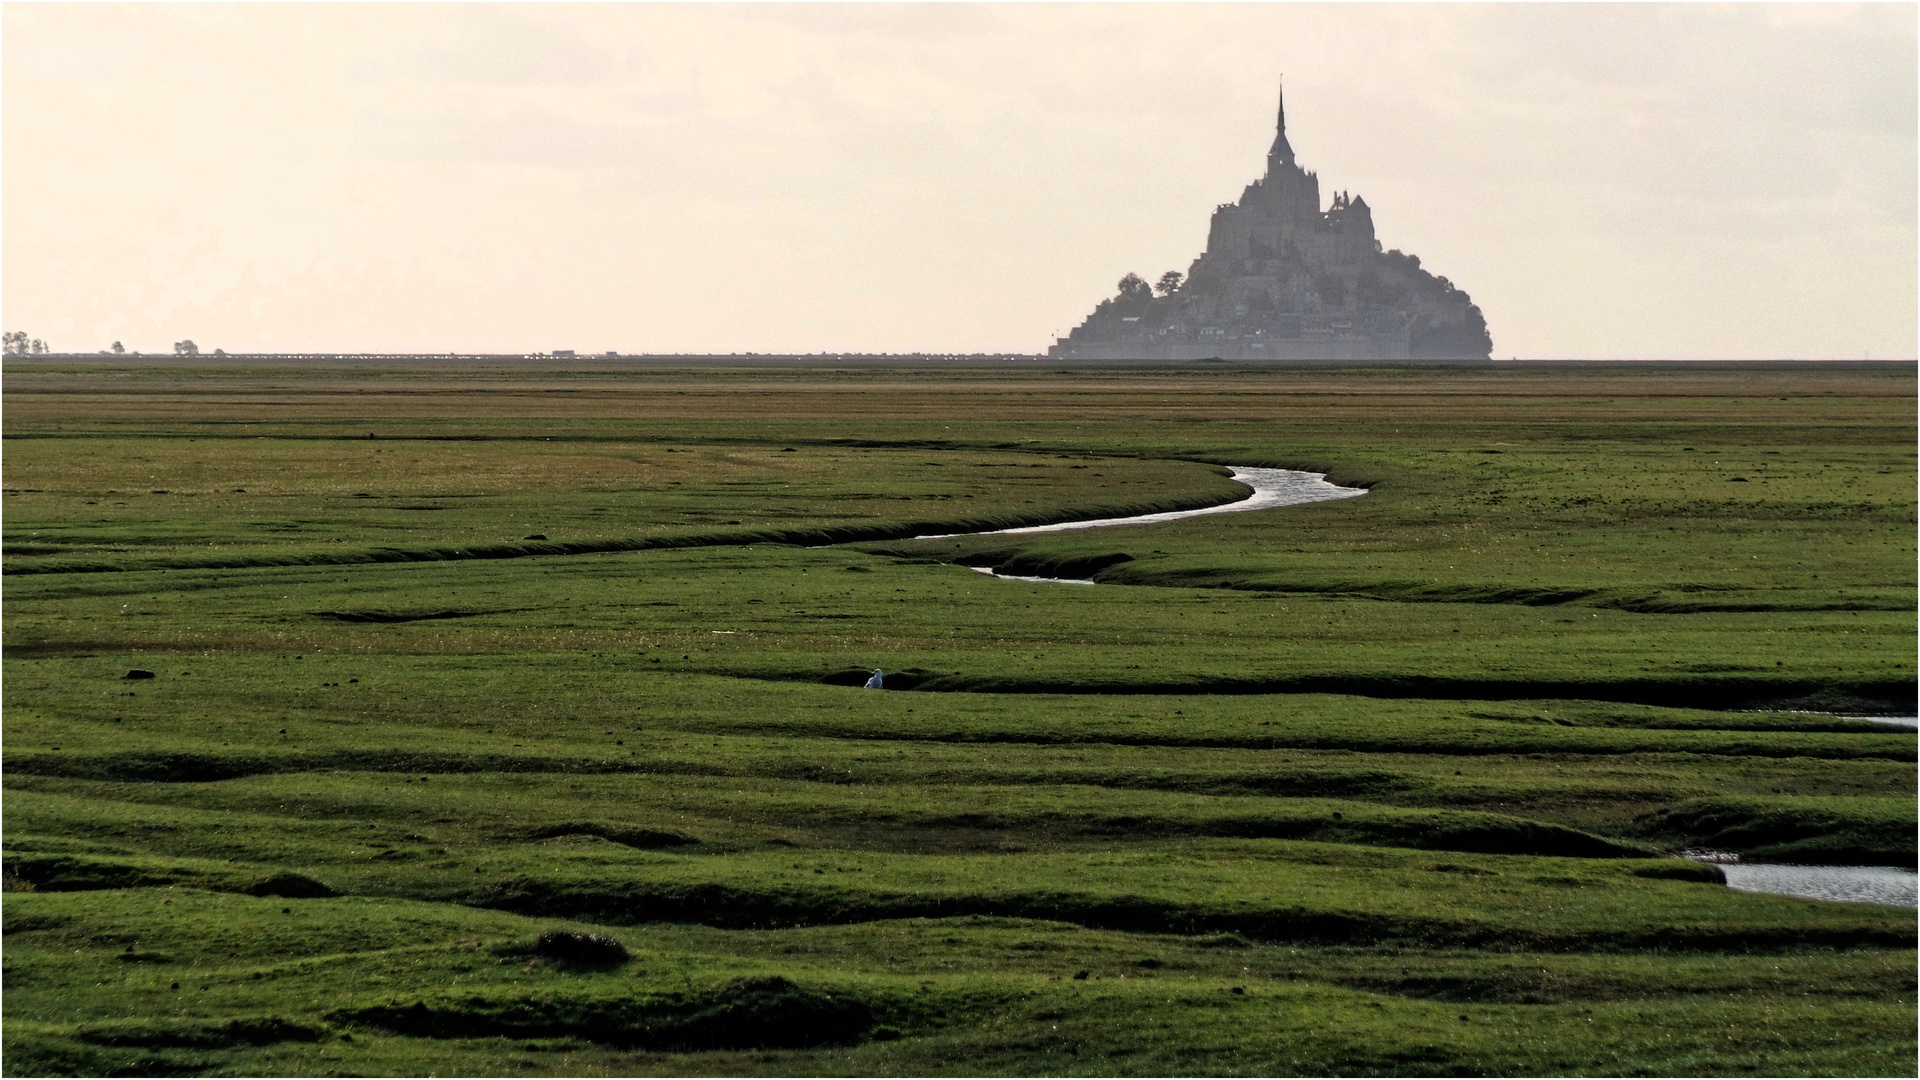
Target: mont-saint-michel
[918,713]
[1282,279]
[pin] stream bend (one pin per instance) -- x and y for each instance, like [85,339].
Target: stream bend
[1271,488]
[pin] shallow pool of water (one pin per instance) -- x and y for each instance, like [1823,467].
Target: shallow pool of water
[1890,885]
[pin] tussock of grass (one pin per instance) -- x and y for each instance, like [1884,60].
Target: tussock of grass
[1669,871]
[82,873]
[1016,561]
[761,1012]
[203,1034]
[632,836]
[1828,831]
[288,884]
[580,948]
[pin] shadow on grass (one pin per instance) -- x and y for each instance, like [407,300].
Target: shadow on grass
[762,1012]
[743,908]
[1817,833]
[1716,692]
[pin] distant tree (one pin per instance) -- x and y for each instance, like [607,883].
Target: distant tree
[16,342]
[40,347]
[118,348]
[1136,296]
[1168,284]
[186,348]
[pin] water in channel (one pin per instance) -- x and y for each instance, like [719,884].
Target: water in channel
[1271,488]
[1890,721]
[1288,487]
[1890,885]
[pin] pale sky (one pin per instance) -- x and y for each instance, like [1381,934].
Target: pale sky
[1635,181]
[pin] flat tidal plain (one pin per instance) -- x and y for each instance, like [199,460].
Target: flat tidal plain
[454,678]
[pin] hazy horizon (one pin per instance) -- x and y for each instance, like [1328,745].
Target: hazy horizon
[1608,182]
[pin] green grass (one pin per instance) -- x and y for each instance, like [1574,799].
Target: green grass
[118,503]
[1390,785]
[268,986]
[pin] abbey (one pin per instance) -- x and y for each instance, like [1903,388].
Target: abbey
[1282,279]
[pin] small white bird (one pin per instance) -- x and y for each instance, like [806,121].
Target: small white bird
[878,681]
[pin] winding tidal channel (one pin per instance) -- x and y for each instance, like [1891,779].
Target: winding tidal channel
[1272,488]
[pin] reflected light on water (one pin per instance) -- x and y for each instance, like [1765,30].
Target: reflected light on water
[1891,885]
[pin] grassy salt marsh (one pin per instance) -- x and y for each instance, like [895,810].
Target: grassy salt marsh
[459,673]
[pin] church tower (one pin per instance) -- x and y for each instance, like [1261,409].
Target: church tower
[1282,152]
[1288,193]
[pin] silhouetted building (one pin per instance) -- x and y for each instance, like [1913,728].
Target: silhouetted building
[1283,279]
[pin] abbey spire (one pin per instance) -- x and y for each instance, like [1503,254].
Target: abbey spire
[1282,152]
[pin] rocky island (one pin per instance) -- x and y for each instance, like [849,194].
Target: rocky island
[1282,279]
